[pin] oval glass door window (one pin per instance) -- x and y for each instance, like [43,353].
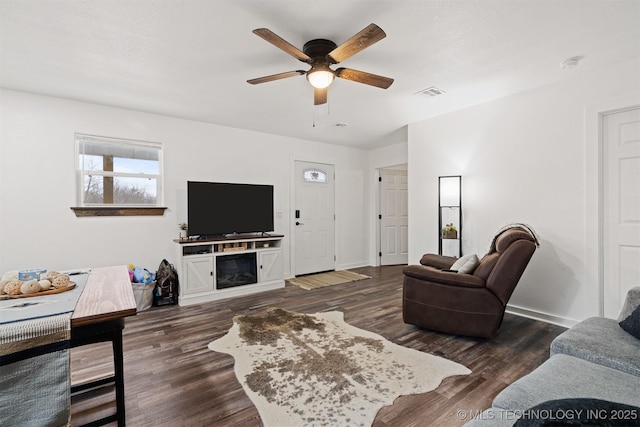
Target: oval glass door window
[314,175]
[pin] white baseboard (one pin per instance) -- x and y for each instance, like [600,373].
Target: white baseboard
[543,317]
[352,265]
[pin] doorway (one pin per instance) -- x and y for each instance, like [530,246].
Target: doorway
[314,218]
[394,216]
[620,207]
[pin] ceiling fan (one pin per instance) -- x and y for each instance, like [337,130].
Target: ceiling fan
[320,54]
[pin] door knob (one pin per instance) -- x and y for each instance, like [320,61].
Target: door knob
[299,223]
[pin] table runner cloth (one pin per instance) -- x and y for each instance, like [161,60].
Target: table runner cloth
[34,358]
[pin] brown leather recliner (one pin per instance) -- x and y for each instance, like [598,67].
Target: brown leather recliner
[467,304]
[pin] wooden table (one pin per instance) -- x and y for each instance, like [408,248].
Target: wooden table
[108,295]
[99,317]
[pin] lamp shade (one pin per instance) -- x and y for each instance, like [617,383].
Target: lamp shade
[450,190]
[320,77]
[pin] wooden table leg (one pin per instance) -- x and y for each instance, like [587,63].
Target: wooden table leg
[118,363]
[103,332]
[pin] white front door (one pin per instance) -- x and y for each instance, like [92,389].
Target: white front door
[621,237]
[314,218]
[394,217]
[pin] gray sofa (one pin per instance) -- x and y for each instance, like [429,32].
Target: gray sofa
[595,363]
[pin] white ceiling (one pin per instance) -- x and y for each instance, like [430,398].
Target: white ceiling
[191,58]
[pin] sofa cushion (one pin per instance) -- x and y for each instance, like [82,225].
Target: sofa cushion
[580,412]
[632,323]
[629,318]
[564,377]
[466,264]
[600,340]
[486,265]
[631,302]
[438,261]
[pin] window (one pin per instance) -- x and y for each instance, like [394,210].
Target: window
[314,175]
[115,172]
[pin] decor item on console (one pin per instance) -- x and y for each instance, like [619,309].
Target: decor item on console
[183,230]
[472,302]
[316,370]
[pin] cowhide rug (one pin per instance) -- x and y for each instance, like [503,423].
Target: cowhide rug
[316,370]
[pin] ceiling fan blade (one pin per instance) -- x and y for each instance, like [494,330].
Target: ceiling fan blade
[363,77]
[281,43]
[320,95]
[278,76]
[365,38]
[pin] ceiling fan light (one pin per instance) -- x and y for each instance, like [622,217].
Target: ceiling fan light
[320,79]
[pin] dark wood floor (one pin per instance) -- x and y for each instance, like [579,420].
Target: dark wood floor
[172,379]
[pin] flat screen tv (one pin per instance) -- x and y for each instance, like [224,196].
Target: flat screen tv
[218,208]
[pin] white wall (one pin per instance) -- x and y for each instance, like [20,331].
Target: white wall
[37,183]
[391,155]
[522,159]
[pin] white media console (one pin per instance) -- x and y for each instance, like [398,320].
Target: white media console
[225,267]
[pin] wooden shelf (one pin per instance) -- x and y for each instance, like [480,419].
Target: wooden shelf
[84,211]
[239,238]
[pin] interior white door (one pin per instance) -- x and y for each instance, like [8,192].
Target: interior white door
[394,217]
[314,218]
[621,167]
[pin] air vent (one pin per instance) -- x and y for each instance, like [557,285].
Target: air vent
[431,91]
[570,63]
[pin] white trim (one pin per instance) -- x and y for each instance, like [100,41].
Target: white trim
[378,211]
[352,265]
[120,141]
[541,316]
[80,172]
[594,192]
[122,174]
